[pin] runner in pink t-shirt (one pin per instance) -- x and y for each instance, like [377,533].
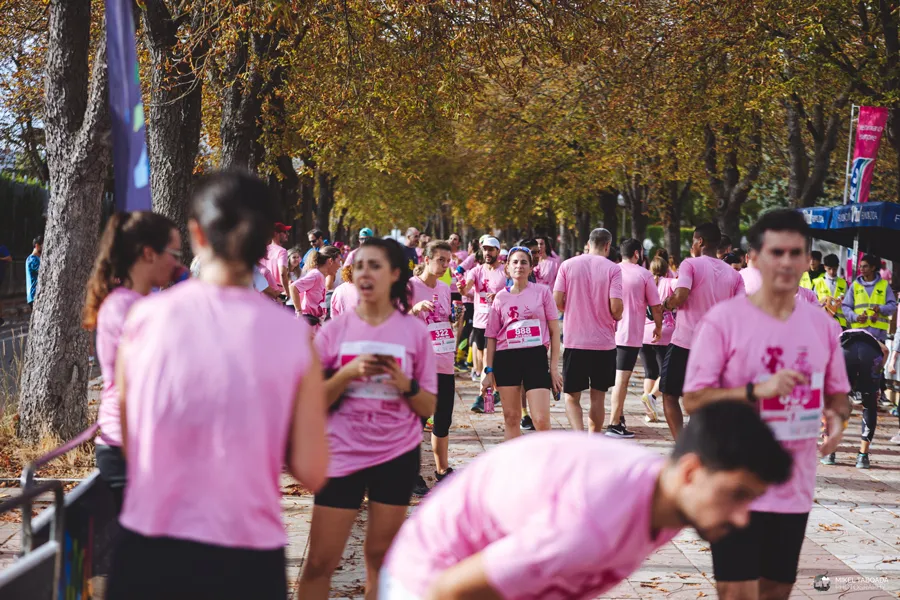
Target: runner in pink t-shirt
[547,266]
[584,514]
[345,296]
[753,281]
[137,253]
[485,281]
[381,382]
[638,294]
[308,292]
[275,259]
[430,301]
[522,324]
[790,367]
[213,407]
[588,290]
[653,350]
[703,282]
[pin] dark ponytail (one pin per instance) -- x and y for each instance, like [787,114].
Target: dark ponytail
[236,212]
[398,260]
[123,241]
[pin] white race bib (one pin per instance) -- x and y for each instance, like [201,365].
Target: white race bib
[442,339]
[376,387]
[483,307]
[797,416]
[524,334]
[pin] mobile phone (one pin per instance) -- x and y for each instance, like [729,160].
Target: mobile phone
[386,359]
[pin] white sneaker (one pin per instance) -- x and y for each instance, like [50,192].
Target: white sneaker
[896,439]
[651,407]
[475,376]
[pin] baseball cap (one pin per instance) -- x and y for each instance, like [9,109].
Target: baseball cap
[366,232]
[282,228]
[491,242]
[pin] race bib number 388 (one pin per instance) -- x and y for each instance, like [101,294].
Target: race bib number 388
[797,416]
[524,334]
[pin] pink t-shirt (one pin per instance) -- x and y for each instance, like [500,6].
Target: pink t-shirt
[456,258]
[110,322]
[374,422]
[350,257]
[487,281]
[344,299]
[545,272]
[589,281]
[276,258]
[710,281]
[807,295]
[210,396]
[753,281]
[573,524]
[312,292]
[664,289]
[727,353]
[440,331]
[638,292]
[521,320]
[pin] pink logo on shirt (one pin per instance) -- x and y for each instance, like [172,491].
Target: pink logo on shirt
[772,362]
[513,313]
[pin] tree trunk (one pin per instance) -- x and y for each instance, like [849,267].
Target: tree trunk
[583,227]
[242,102]
[671,213]
[729,186]
[609,205]
[174,114]
[53,392]
[324,200]
[806,180]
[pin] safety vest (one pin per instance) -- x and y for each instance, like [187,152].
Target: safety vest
[820,286]
[806,282]
[863,302]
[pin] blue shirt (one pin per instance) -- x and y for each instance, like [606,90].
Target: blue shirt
[32,264]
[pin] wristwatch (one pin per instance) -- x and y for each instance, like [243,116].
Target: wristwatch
[489,370]
[751,397]
[413,388]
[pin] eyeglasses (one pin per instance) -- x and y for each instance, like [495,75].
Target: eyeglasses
[176,253]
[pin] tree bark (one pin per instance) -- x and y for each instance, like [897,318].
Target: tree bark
[174,114]
[583,227]
[671,213]
[609,205]
[324,200]
[53,392]
[729,186]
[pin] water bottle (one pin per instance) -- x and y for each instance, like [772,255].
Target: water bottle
[434,302]
[489,401]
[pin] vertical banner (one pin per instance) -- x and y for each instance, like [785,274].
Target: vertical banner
[130,162]
[869,128]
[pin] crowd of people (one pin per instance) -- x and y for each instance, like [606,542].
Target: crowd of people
[332,362]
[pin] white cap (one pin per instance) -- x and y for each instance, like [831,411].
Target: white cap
[504,252]
[491,242]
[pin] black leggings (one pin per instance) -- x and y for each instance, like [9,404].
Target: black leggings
[111,463]
[864,369]
[466,333]
[443,414]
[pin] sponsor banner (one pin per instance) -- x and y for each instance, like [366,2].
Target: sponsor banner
[869,129]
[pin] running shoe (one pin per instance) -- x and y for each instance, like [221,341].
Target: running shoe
[440,476]
[496,398]
[421,488]
[460,368]
[429,424]
[618,431]
[651,408]
[895,439]
[476,376]
[856,398]
[894,412]
[884,402]
[829,460]
[527,424]
[478,405]
[862,461]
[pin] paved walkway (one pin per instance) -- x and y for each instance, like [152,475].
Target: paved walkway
[853,534]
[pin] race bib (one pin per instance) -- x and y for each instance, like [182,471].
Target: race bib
[524,334]
[376,387]
[797,416]
[483,307]
[442,339]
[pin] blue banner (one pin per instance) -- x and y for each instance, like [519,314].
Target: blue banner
[131,164]
[870,214]
[817,217]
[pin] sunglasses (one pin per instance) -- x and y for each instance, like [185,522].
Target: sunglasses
[520,249]
[176,253]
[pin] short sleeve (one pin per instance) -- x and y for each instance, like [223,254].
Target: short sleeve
[424,362]
[651,293]
[549,305]
[560,284]
[325,344]
[686,275]
[260,281]
[281,259]
[704,369]
[470,276]
[305,283]
[836,381]
[615,282]
[739,288]
[495,321]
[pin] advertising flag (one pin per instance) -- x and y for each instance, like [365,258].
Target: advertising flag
[131,165]
[869,128]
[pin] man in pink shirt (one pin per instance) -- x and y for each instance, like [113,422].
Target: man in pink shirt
[783,357]
[588,290]
[486,280]
[585,513]
[703,282]
[638,293]
[276,259]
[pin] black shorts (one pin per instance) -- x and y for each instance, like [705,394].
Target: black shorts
[388,483]
[443,414]
[654,357]
[673,370]
[455,297]
[478,339]
[768,547]
[111,464]
[626,358]
[523,366]
[148,568]
[583,369]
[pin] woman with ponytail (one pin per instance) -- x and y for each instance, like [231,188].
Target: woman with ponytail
[381,380]
[308,292]
[138,251]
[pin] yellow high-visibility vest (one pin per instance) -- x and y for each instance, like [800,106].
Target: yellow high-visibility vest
[820,286]
[863,302]
[806,282]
